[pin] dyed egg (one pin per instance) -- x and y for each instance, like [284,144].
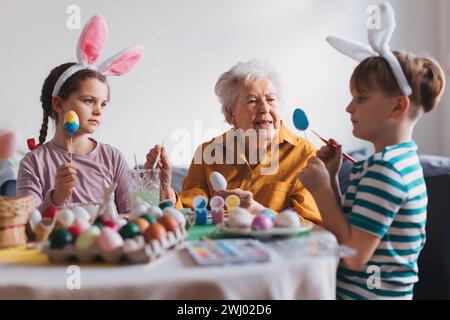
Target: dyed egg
[80,212]
[71,122]
[65,217]
[177,215]
[50,213]
[232,201]
[81,224]
[60,238]
[35,219]
[87,239]
[218,181]
[169,222]
[165,204]
[129,231]
[216,202]
[111,224]
[142,224]
[287,219]
[300,119]
[109,240]
[74,231]
[155,231]
[269,212]
[262,222]
[155,211]
[200,202]
[240,218]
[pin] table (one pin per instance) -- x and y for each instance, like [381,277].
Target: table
[308,272]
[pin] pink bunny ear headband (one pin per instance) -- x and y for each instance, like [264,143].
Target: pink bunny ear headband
[379,46]
[90,46]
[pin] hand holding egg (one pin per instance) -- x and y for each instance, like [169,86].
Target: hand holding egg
[66,179]
[246,199]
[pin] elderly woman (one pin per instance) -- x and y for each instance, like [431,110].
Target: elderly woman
[259,157]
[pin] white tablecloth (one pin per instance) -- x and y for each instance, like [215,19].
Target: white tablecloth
[291,274]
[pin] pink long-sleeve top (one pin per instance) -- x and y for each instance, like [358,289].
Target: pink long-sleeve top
[37,175]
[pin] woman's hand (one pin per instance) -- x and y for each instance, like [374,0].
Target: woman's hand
[163,165]
[66,179]
[246,197]
[332,157]
[315,175]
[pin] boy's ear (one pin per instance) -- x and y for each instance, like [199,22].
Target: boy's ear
[401,107]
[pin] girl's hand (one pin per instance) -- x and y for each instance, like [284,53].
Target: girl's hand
[331,157]
[163,165]
[66,179]
[315,175]
[246,197]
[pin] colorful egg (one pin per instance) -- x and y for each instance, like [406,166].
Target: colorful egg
[65,217]
[142,224]
[74,231]
[109,240]
[129,231]
[87,239]
[200,202]
[60,238]
[216,202]
[269,212]
[287,219]
[300,119]
[165,204]
[169,222]
[262,222]
[50,212]
[155,231]
[81,224]
[218,181]
[176,214]
[232,201]
[71,122]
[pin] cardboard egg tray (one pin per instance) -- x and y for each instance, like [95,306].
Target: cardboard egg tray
[133,251]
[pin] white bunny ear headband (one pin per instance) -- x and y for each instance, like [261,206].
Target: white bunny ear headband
[90,46]
[379,46]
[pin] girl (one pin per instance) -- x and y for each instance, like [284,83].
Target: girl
[46,172]
[383,213]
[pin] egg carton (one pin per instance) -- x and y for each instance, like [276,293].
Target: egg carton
[133,251]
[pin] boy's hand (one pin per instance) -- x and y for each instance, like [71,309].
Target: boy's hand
[331,157]
[66,179]
[315,175]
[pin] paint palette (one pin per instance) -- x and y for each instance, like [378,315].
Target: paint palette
[228,251]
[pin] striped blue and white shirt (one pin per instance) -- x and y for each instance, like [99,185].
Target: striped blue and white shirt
[387,197]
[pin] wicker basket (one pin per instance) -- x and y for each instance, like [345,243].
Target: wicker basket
[14,215]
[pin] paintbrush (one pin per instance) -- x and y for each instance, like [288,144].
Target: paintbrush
[334,146]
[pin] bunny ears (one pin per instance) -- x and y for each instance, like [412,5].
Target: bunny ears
[379,46]
[90,46]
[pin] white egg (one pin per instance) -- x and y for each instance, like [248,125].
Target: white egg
[121,222]
[176,214]
[65,216]
[155,211]
[35,219]
[218,181]
[287,219]
[240,218]
[80,212]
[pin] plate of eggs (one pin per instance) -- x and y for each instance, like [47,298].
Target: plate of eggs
[266,224]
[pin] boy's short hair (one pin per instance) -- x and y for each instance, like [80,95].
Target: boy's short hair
[424,75]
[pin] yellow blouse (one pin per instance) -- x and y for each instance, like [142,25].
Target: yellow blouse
[278,190]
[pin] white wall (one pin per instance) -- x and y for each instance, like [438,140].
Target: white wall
[188,45]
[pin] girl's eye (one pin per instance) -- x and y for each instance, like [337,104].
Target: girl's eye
[89,101]
[104,104]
